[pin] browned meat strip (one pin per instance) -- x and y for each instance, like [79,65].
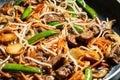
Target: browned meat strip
[57,61]
[53,17]
[66,70]
[95,30]
[72,40]
[87,35]
[81,39]
[90,58]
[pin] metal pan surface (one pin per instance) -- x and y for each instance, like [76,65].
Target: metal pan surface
[109,9]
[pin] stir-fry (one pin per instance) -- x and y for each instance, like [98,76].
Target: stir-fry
[55,40]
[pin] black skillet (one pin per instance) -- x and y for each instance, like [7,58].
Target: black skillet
[106,9]
[109,9]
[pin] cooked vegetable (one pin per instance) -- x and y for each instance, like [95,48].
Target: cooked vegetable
[20,67]
[71,9]
[88,74]
[18,2]
[77,53]
[26,12]
[56,37]
[100,74]
[6,37]
[90,10]
[41,35]
[14,49]
[79,29]
[54,23]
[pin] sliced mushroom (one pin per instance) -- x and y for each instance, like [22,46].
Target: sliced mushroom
[100,73]
[114,56]
[6,37]
[15,49]
[77,53]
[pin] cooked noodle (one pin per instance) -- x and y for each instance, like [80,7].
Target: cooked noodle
[80,41]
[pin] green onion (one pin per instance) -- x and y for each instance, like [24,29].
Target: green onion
[26,12]
[89,10]
[88,74]
[41,35]
[53,23]
[20,67]
[78,28]
[71,9]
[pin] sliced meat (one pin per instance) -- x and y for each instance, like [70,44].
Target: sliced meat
[66,70]
[87,35]
[71,38]
[57,61]
[115,54]
[95,30]
[90,58]
[83,38]
[53,17]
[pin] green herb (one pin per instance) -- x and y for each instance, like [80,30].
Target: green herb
[26,12]
[71,9]
[89,10]
[53,23]
[41,35]
[78,28]
[88,74]
[20,67]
